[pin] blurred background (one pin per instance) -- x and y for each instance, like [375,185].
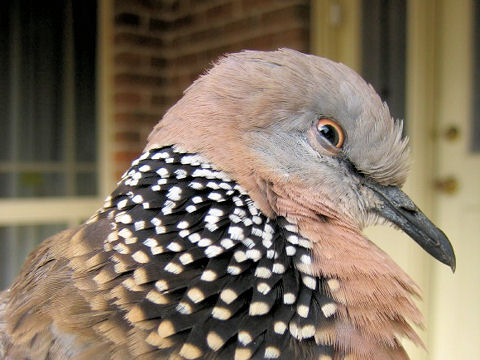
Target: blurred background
[83,82]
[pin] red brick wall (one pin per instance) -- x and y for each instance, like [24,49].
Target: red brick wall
[161,46]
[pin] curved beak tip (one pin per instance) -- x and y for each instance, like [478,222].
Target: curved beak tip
[453,264]
[397,207]
[446,254]
[442,251]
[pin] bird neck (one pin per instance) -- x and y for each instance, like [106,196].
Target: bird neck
[359,299]
[373,293]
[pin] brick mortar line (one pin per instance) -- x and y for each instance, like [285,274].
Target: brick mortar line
[198,27]
[171,16]
[173,54]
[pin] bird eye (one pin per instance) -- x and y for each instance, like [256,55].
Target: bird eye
[331,131]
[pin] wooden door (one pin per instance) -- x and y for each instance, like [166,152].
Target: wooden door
[455,300]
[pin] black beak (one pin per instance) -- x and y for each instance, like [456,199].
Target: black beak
[397,207]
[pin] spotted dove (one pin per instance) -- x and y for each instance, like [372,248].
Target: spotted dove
[237,234]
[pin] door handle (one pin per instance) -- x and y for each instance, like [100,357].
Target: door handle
[447,185]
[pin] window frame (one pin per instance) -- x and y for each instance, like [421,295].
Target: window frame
[73,210]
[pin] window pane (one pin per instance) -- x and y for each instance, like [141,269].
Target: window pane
[85,30]
[32,184]
[48,102]
[5,144]
[16,242]
[86,184]
[38,54]
[36,184]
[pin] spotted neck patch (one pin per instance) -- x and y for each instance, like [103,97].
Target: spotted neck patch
[205,273]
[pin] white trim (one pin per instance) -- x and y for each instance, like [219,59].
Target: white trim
[104,97]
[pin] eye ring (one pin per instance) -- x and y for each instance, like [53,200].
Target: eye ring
[331,132]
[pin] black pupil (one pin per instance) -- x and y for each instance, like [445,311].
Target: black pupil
[329,133]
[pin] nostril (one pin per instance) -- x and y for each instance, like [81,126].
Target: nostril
[411,211]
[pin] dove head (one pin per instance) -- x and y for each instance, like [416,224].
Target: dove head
[307,137]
